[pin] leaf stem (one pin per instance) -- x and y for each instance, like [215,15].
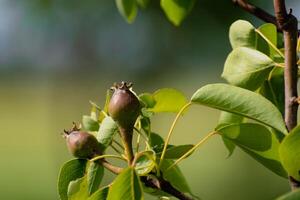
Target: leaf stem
[270,43]
[106,156]
[281,65]
[171,131]
[193,149]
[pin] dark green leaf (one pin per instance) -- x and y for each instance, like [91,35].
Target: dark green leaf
[247,68]
[175,176]
[156,142]
[289,152]
[128,9]
[242,102]
[70,171]
[146,125]
[89,123]
[293,195]
[175,152]
[100,194]
[94,176]
[126,186]
[177,10]
[273,88]
[258,142]
[106,132]
[242,34]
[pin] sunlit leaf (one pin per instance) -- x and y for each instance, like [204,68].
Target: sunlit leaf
[126,186]
[148,100]
[106,132]
[242,102]
[95,174]
[89,123]
[242,34]
[128,9]
[168,100]
[289,152]
[100,194]
[247,68]
[145,163]
[177,10]
[143,3]
[70,171]
[78,189]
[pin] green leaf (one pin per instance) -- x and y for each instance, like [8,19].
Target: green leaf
[146,125]
[258,142]
[143,3]
[100,194]
[95,175]
[156,142]
[293,195]
[168,100]
[175,176]
[78,189]
[70,171]
[128,9]
[177,10]
[247,68]
[126,186]
[107,131]
[145,163]
[289,152]
[273,88]
[226,119]
[89,123]
[242,102]
[242,34]
[147,99]
[270,32]
[175,152]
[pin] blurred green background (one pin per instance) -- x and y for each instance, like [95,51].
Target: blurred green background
[56,55]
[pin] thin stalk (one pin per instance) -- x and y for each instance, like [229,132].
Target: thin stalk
[127,135]
[202,141]
[289,25]
[170,133]
[270,43]
[106,156]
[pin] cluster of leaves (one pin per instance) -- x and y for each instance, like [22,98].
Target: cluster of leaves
[81,179]
[252,105]
[175,10]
